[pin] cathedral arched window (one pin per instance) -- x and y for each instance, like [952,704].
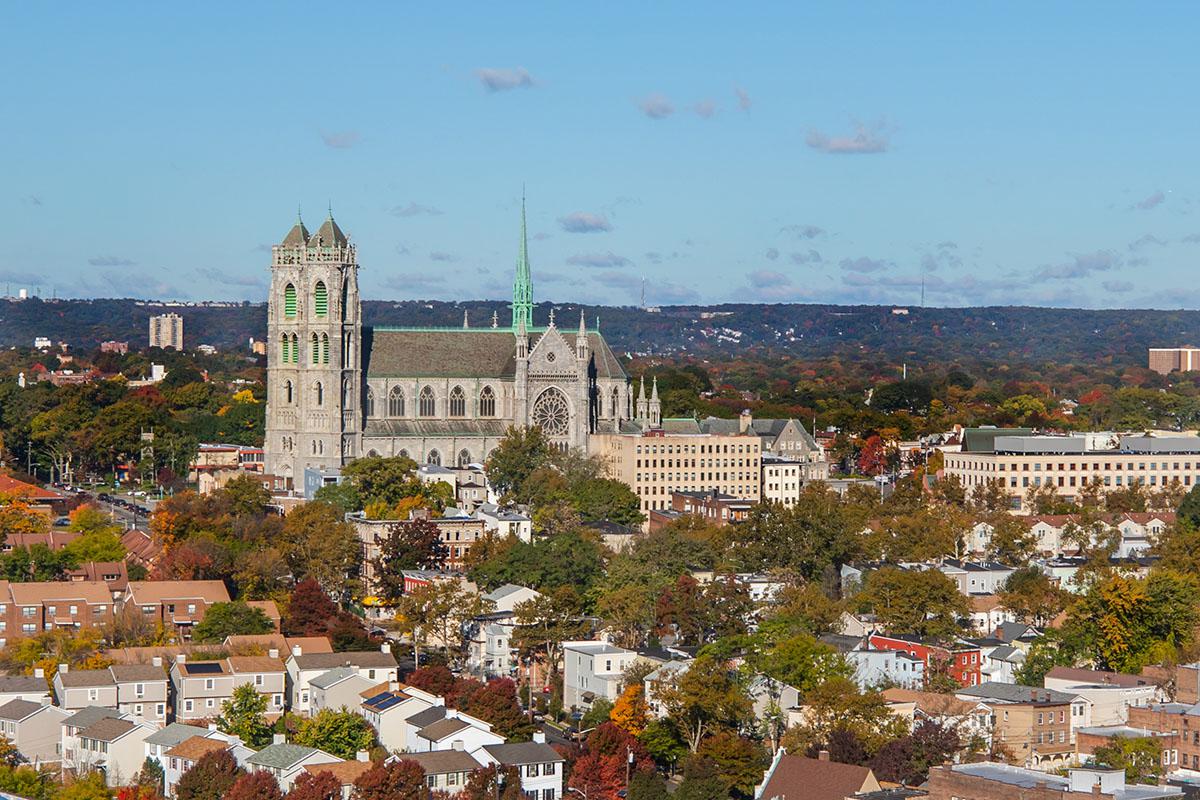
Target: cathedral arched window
[396,402]
[464,458]
[319,391]
[426,406]
[347,395]
[403,454]
[289,301]
[616,402]
[552,413]
[370,402]
[295,349]
[324,348]
[287,391]
[316,349]
[284,341]
[372,454]
[458,402]
[434,458]
[487,402]
[320,299]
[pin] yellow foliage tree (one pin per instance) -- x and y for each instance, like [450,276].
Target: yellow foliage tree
[629,712]
[17,517]
[244,396]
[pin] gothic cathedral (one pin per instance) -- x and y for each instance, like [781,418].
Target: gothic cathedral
[338,390]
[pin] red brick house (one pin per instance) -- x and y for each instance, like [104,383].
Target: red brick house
[960,660]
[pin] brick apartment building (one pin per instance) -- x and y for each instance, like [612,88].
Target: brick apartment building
[993,781]
[177,605]
[1165,360]
[27,609]
[1179,720]
[960,660]
[712,506]
[1036,725]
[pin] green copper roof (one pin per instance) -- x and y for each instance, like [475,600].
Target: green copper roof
[522,305]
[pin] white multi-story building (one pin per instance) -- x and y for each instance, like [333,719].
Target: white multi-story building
[166,331]
[593,670]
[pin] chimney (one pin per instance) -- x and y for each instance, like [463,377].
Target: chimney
[823,755]
[457,744]
[297,650]
[1033,695]
[393,686]
[539,737]
[212,726]
[1096,792]
[181,658]
[273,652]
[362,755]
[38,672]
[64,667]
[278,738]
[156,661]
[745,420]
[386,647]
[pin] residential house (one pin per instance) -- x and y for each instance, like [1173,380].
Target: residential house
[1178,719]
[1036,725]
[508,596]
[505,522]
[142,690]
[1110,693]
[30,608]
[377,666]
[490,650]
[874,668]
[35,729]
[113,573]
[177,605]
[445,770]
[113,746]
[77,689]
[24,687]
[970,718]
[959,660]
[591,670]
[1000,661]
[388,708]
[987,614]
[798,778]
[339,688]
[989,780]
[456,730]
[73,758]
[539,765]
[200,688]
[613,535]
[286,761]
[983,577]
[655,681]
[346,772]
[181,757]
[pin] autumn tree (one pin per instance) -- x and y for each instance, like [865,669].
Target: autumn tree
[738,762]
[210,778]
[390,780]
[1032,596]
[839,705]
[493,783]
[318,544]
[519,454]
[323,785]
[705,698]
[341,733]
[1139,756]
[244,715]
[411,544]
[442,608]
[908,759]
[257,785]
[923,602]
[629,711]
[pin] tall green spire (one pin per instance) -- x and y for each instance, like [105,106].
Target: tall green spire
[522,305]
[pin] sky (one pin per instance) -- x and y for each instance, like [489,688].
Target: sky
[997,153]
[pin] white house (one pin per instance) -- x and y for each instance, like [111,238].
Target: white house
[507,597]
[35,729]
[286,761]
[505,522]
[378,666]
[539,764]
[113,746]
[591,670]
[886,668]
[455,730]
[388,708]
[73,759]
[985,577]
[1110,693]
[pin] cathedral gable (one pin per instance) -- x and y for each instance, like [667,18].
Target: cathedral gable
[552,355]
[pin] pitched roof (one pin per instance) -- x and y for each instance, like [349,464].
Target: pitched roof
[1096,676]
[195,747]
[439,730]
[175,733]
[91,592]
[108,729]
[277,641]
[328,235]
[243,664]
[427,717]
[1014,693]
[10,485]
[19,709]
[332,677]
[347,772]
[523,753]
[797,778]
[86,677]
[90,715]
[281,755]
[152,592]
[361,658]
[130,673]
[931,703]
[439,762]
[297,236]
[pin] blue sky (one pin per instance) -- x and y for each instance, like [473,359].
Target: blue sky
[1002,153]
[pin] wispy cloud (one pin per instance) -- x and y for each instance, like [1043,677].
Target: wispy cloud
[705,109]
[607,260]
[341,140]
[1153,201]
[803,231]
[743,98]
[401,249]
[864,264]
[497,79]
[16,276]
[772,254]
[765,278]
[809,257]
[867,138]
[1080,266]
[111,261]
[1145,241]
[407,281]
[32,200]
[439,255]
[225,278]
[1117,287]
[656,106]
[584,222]
[1191,238]
[415,210]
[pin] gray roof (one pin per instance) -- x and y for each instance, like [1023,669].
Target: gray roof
[435,427]
[175,733]
[439,730]
[503,591]
[427,717]
[18,709]
[363,658]
[23,684]
[92,714]
[329,235]
[523,753]
[108,729]
[1014,693]
[333,677]
[460,353]
[1029,779]
[442,761]
[129,673]
[86,677]
[983,440]
[297,236]
[282,755]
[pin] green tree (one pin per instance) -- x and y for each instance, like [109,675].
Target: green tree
[383,480]
[1139,756]
[701,781]
[839,705]
[344,496]
[802,662]
[738,762]
[222,620]
[317,543]
[1189,508]
[647,786]
[244,716]
[924,602]
[341,733]
[441,607]
[703,700]
[1032,596]
[519,454]
[606,499]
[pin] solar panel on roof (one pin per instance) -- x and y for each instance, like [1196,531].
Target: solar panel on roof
[392,701]
[204,668]
[376,698]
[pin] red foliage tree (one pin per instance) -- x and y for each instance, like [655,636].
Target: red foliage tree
[259,785]
[319,786]
[209,778]
[390,781]
[482,784]
[437,680]
[601,770]
[310,612]
[495,703]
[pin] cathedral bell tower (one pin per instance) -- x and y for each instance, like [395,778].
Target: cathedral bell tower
[314,334]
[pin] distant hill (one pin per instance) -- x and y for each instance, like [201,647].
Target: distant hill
[996,334]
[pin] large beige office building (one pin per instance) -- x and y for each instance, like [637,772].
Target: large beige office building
[656,463]
[1165,360]
[1069,463]
[166,331]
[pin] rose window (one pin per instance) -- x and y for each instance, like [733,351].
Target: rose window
[551,413]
